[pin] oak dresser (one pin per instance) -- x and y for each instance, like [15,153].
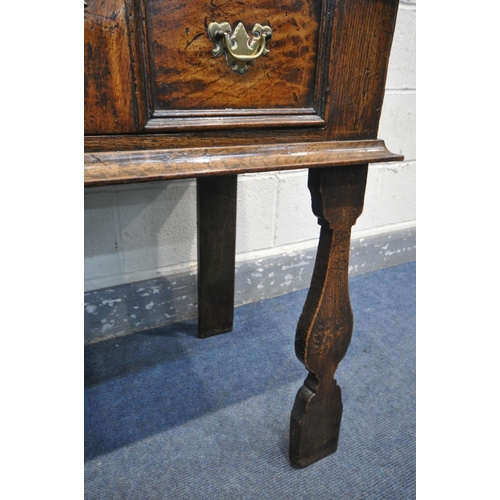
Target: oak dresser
[210,90]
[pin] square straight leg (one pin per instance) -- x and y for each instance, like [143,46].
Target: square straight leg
[216,209]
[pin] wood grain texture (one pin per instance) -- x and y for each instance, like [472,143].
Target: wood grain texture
[159,106]
[216,209]
[359,56]
[328,56]
[114,85]
[200,138]
[146,166]
[186,75]
[231,122]
[325,325]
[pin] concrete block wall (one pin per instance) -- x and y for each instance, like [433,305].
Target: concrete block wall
[145,231]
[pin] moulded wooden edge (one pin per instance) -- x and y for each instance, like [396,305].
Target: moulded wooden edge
[123,167]
[180,124]
[232,112]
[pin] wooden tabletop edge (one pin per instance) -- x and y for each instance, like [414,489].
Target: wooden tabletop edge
[168,164]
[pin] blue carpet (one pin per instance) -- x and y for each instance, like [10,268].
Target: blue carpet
[171,416]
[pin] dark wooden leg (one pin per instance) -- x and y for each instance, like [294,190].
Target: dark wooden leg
[325,326]
[216,207]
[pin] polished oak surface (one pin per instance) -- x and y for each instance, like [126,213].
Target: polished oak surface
[149,68]
[159,105]
[164,164]
[186,76]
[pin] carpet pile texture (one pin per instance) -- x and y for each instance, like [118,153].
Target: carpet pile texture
[171,416]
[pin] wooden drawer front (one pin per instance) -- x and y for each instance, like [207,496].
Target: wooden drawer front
[149,66]
[187,77]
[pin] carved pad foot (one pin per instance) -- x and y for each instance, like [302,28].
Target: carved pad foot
[315,424]
[325,325]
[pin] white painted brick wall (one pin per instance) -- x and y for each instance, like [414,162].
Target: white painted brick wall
[144,231]
[257,195]
[390,193]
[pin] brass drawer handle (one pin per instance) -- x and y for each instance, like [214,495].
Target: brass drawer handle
[238,48]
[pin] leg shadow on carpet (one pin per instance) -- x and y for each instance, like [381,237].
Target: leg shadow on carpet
[171,416]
